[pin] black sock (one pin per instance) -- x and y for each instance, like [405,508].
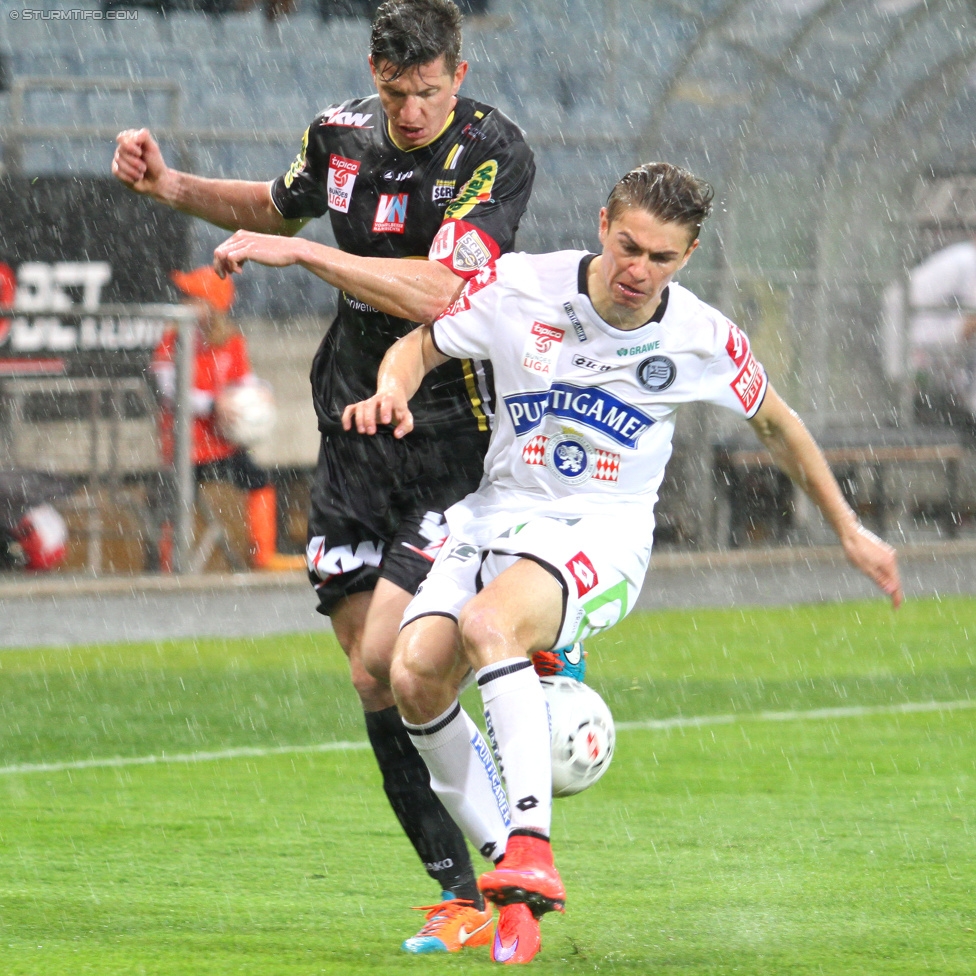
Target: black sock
[436,838]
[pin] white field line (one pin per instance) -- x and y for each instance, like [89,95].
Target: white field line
[244,752]
[853,711]
[678,722]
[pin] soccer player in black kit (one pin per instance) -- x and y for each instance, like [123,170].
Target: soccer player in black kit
[412,171]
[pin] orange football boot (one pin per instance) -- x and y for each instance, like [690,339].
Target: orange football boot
[451,925]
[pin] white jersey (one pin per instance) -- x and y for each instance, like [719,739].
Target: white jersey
[585,412]
[941,286]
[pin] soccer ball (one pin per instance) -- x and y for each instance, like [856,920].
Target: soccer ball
[581,735]
[246,413]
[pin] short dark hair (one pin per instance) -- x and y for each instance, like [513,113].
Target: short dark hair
[670,193]
[410,33]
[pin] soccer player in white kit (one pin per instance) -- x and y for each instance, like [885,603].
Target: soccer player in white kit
[592,355]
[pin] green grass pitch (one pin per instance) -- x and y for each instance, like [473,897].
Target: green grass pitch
[843,844]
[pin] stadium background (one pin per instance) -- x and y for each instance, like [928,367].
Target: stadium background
[840,136]
[792,786]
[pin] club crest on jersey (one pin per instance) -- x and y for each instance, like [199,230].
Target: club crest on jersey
[562,459]
[391,213]
[606,465]
[656,373]
[542,348]
[352,120]
[470,252]
[570,458]
[341,180]
[589,406]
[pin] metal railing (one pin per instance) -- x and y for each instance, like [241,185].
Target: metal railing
[184,319]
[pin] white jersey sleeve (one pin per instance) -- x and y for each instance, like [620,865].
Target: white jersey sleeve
[734,378]
[464,329]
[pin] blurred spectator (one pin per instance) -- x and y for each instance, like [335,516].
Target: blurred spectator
[37,542]
[33,535]
[941,335]
[221,370]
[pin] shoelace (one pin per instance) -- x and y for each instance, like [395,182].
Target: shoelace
[547,663]
[440,913]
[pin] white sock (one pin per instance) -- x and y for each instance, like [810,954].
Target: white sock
[518,725]
[463,775]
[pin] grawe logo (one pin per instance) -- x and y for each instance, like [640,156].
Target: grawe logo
[391,213]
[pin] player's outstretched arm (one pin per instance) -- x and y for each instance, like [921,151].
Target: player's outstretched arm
[418,290]
[403,369]
[795,452]
[139,164]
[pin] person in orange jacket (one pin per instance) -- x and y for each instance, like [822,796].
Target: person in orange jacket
[220,361]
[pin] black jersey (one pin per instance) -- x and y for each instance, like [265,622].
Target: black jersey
[458,200]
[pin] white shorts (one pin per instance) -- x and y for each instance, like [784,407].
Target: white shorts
[593,557]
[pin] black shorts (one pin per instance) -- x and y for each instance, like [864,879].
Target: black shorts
[377,507]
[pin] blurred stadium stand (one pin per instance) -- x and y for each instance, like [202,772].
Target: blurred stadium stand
[822,124]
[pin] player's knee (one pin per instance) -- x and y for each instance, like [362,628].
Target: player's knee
[419,681]
[377,658]
[484,629]
[408,685]
[373,694]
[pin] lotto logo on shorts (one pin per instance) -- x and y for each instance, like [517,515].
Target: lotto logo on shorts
[583,572]
[391,213]
[342,178]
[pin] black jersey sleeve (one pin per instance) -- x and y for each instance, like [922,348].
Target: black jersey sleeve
[301,191]
[481,220]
